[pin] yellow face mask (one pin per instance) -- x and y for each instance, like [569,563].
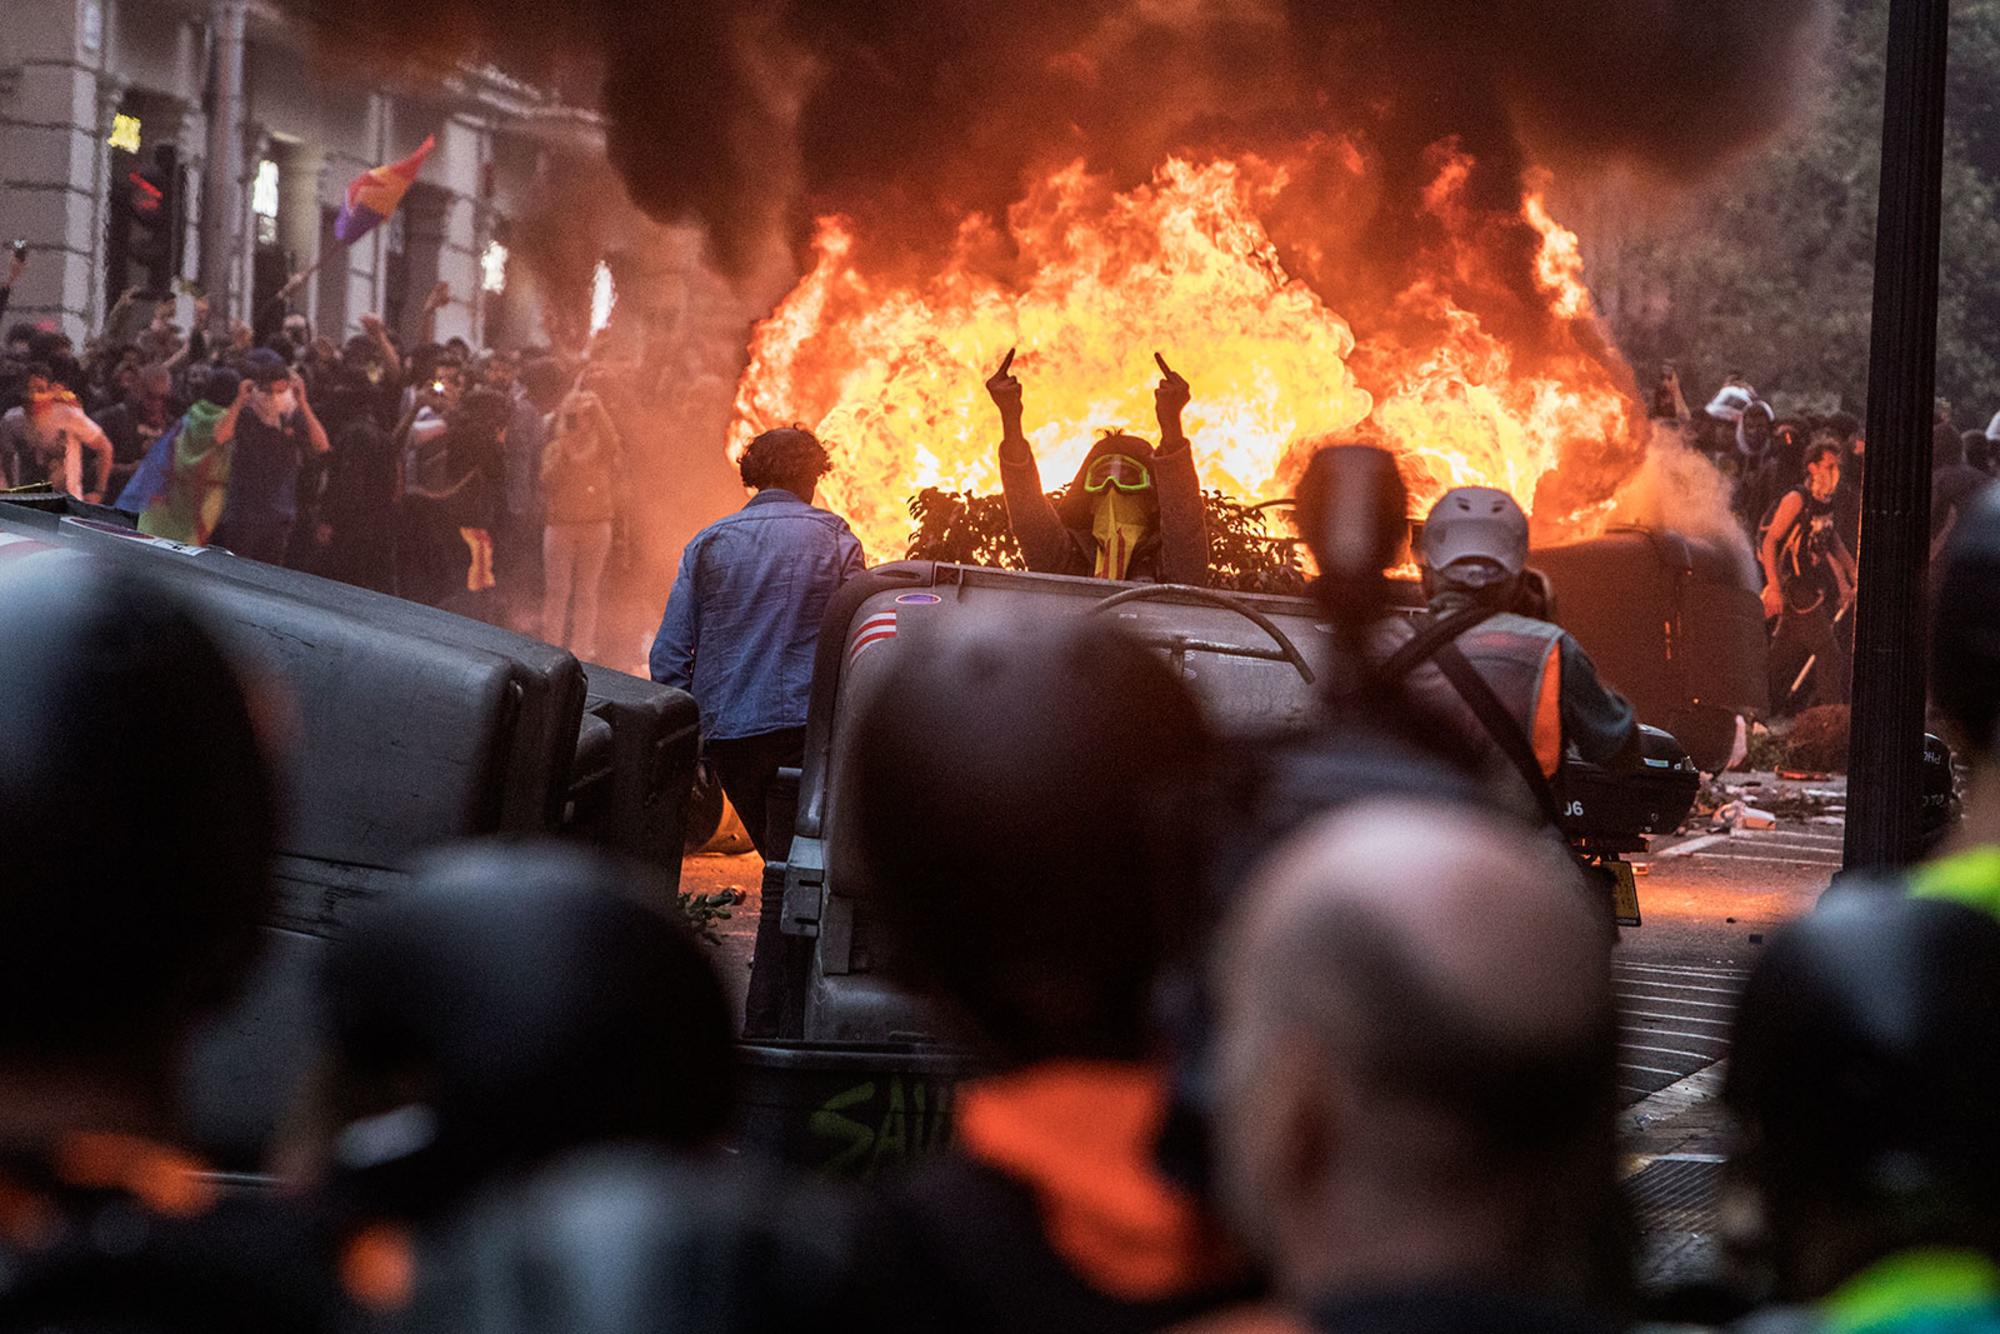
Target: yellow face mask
[1119,521]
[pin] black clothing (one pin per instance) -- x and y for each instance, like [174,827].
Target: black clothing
[1847,501]
[131,435]
[360,506]
[266,540]
[747,767]
[106,1261]
[1806,553]
[1804,635]
[630,1241]
[1952,486]
[964,1250]
[1442,1308]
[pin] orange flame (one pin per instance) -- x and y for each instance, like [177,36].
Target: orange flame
[890,373]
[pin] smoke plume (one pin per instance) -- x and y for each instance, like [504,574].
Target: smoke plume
[741,116]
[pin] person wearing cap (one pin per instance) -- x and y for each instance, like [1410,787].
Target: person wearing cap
[1475,560]
[267,448]
[1132,512]
[1864,1175]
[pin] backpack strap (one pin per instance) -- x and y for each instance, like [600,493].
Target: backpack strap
[1432,633]
[1500,724]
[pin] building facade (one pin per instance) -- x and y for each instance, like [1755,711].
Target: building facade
[206,145]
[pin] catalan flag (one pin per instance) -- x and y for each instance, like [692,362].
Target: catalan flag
[373,195]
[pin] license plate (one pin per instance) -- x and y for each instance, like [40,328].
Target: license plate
[1624,893]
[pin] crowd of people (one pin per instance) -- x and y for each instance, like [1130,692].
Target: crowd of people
[1368,1088]
[1366,1085]
[1796,481]
[487,482]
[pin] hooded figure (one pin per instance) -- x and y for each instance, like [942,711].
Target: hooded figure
[1133,512]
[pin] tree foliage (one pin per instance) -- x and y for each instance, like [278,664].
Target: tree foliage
[1245,556]
[1769,269]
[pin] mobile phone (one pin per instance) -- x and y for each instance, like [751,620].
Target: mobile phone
[437,386]
[20,248]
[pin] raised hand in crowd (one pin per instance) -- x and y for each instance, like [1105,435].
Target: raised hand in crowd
[1004,388]
[1169,398]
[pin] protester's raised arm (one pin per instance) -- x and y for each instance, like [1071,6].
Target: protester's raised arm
[1004,388]
[392,360]
[225,429]
[315,433]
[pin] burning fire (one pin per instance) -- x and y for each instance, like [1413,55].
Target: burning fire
[890,372]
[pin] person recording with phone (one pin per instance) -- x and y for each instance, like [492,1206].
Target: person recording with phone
[1133,512]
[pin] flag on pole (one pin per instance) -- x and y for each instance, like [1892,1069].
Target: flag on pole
[373,195]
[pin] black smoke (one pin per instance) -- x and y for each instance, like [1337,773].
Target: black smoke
[919,111]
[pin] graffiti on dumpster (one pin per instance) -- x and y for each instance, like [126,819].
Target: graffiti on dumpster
[882,1122]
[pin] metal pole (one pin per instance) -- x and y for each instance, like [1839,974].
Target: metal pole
[1886,736]
[222,188]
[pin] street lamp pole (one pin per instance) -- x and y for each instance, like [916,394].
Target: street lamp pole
[1886,736]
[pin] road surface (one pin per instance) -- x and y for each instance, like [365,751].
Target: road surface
[1709,898]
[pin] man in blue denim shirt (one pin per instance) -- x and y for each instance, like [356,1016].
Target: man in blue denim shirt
[742,623]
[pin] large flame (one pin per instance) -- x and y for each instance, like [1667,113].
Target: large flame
[890,372]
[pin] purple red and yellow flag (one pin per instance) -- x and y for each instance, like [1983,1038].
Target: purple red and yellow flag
[373,195]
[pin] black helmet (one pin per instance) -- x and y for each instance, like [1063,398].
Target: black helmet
[1965,625]
[511,1002]
[1005,778]
[1864,1059]
[136,812]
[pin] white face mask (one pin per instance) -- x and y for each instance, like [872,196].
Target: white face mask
[283,401]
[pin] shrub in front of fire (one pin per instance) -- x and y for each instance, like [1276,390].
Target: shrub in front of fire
[1244,555]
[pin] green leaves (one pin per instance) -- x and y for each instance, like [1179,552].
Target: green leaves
[703,911]
[1245,554]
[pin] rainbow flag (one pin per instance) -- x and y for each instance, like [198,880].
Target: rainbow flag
[373,195]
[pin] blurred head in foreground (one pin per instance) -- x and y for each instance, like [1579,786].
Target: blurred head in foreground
[1416,1059]
[137,816]
[1861,1077]
[1965,630]
[1016,791]
[510,1003]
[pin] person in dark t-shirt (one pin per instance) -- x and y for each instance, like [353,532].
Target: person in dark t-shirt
[270,436]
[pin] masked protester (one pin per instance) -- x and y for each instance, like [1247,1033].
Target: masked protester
[1132,512]
[1809,583]
[270,429]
